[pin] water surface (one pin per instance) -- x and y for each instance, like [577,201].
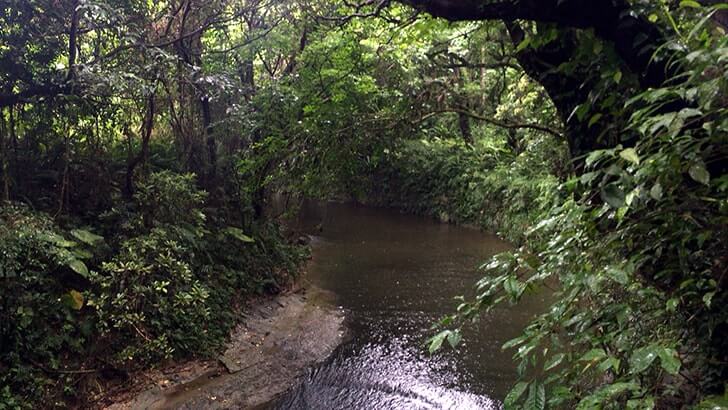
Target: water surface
[396,275]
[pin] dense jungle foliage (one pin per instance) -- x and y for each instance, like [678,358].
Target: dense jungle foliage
[140,143]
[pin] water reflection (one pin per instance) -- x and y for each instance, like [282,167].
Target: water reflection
[396,275]
[383,376]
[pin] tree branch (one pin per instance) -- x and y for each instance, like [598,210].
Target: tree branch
[635,39]
[493,121]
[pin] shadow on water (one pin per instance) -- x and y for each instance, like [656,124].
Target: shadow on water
[396,275]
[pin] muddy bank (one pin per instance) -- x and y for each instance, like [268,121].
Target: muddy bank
[275,342]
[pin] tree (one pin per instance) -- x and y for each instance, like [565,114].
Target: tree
[559,63]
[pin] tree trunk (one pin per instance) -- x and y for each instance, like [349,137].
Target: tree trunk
[465,130]
[635,39]
[72,40]
[567,91]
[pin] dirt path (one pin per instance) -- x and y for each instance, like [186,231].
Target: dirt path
[268,352]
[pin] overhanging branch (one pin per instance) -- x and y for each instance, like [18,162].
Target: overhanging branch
[493,121]
[635,39]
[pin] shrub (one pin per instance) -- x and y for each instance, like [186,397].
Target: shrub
[166,286]
[483,185]
[637,257]
[151,300]
[169,198]
[41,278]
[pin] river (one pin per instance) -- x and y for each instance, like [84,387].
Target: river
[395,275]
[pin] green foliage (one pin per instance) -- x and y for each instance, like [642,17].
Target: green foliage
[41,273]
[151,301]
[168,288]
[637,256]
[155,148]
[166,198]
[482,185]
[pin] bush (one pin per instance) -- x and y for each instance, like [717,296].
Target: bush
[171,290]
[150,300]
[637,257]
[483,185]
[42,326]
[167,286]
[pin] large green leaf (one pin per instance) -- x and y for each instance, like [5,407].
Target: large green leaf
[593,355]
[454,338]
[536,397]
[58,240]
[617,274]
[698,172]
[604,394]
[669,360]
[630,155]
[714,403]
[238,234]
[86,236]
[642,358]
[78,267]
[436,341]
[515,394]
[554,361]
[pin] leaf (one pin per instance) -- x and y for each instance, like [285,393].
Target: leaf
[513,287]
[604,394]
[588,177]
[78,267]
[609,363]
[708,298]
[595,156]
[238,234]
[669,360]
[82,253]
[630,155]
[76,299]
[618,275]
[523,44]
[594,119]
[690,4]
[86,236]
[436,341]
[618,76]
[58,240]
[593,355]
[536,397]
[656,192]
[642,358]
[643,403]
[554,361]
[613,195]
[515,394]
[514,342]
[454,338]
[713,403]
[698,172]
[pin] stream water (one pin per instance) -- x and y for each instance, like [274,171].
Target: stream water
[396,275]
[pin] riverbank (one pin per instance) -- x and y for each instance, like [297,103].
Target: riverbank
[277,339]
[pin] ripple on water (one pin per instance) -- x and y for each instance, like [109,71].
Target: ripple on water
[393,375]
[396,275]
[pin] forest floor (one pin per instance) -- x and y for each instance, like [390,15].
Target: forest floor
[268,351]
